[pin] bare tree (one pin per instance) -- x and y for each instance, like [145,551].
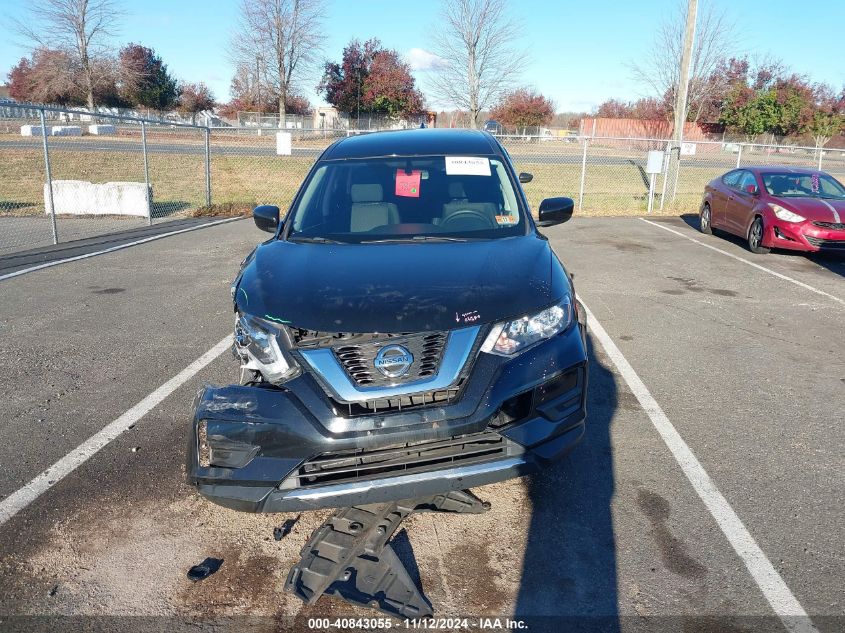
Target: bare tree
[715,39]
[81,28]
[282,40]
[476,39]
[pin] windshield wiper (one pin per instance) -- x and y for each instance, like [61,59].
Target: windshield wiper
[420,238]
[315,239]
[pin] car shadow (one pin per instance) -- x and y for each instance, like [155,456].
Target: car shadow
[692,219]
[834,262]
[569,570]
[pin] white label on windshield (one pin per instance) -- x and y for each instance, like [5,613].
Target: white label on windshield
[467,166]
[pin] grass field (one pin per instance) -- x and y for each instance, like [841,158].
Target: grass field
[178,181]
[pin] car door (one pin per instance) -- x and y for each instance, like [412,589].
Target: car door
[740,203]
[721,191]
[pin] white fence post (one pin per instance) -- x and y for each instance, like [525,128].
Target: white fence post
[49,177]
[583,174]
[739,156]
[146,173]
[667,154]
[207,167]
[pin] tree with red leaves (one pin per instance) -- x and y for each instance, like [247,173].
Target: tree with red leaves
[646,109]
[194,98]
[50,76]
[145,80]
[371,79]
[828,117]
[614,109]
[523,109]
[251,93]
[80,30]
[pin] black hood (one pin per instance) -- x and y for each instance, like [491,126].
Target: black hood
[399,287]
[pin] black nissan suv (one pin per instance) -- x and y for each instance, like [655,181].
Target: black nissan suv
[405,332]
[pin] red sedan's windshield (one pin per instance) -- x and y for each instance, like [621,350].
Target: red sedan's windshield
[792,185]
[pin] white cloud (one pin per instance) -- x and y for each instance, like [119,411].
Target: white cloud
[421,59]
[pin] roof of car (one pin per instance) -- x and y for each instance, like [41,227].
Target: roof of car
[417,142]
[781,168]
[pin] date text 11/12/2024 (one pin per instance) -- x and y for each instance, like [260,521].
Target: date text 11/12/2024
[431,624]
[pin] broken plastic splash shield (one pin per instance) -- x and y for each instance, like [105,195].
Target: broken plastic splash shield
[349,555]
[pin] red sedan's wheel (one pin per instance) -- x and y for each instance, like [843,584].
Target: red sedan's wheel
[705,220]
[755,237]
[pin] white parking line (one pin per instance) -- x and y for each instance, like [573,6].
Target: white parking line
[21,498]
[750,263]
[112,249]
[775,590]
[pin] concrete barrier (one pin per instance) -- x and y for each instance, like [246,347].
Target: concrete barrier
[283,143]
[66,130]
[100,130]
[79,197]
[33,130]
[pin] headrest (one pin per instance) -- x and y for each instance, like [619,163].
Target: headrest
[456,189]
[366,193]
[780,184]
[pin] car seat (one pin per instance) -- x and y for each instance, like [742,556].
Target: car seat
[369,209]
[778,185]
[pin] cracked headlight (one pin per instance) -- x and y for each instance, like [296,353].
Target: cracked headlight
[257,344]
[510,337]
[785,214]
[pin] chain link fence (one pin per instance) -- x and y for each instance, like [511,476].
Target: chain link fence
[607,175]
[110,173]
[67,175]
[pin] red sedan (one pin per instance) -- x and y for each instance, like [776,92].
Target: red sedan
[777,207]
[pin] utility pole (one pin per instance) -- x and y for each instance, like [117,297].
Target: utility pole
[683,85]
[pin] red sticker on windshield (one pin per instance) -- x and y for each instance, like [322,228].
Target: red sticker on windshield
[408,185]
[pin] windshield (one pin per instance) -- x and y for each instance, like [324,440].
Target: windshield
[408,198]
[790,185]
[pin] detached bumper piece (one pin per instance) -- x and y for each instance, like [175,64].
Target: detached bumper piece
[349,555]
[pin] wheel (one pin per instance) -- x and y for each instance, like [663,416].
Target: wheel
[755,237]
[705,221]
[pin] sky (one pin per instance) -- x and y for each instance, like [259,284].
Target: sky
[579,52]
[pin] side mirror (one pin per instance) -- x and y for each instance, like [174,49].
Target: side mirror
[266,217]
[752,189]
[555,211]
[524,177]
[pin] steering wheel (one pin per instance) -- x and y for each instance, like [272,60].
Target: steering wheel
[469,214]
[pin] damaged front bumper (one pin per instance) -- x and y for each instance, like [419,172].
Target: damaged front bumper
[272,449]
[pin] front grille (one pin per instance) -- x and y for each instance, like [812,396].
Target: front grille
[838,226]
[402,459]
[358,359]
[835,245]
[397,404]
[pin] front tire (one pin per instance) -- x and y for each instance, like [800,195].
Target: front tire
[705,220]
[755,237]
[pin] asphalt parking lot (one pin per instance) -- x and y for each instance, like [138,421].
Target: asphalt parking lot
[737,528]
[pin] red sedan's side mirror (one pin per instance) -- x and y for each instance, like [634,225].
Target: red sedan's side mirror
[752,189]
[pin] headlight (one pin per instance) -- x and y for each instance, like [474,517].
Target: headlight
[785,214]
[257,344]
[510,337]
